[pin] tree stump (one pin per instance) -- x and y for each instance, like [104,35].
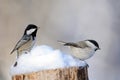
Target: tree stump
[72,73]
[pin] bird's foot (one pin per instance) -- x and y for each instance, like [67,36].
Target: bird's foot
[86,65]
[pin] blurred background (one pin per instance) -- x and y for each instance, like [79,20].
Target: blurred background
[67,20]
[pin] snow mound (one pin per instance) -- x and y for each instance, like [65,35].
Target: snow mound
[43,58]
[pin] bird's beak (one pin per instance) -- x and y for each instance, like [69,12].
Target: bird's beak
[38,27]
[99,48]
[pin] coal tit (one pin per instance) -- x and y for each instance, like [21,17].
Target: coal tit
[27,41]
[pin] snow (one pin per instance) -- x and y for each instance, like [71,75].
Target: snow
[42,58]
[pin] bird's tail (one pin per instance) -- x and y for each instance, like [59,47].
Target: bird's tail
[12,51]
[66,43]
[61,42]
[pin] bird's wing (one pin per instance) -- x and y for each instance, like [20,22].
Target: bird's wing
[69,43]
[82,44]
[21,42]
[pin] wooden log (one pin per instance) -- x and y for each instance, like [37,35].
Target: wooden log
[72,73]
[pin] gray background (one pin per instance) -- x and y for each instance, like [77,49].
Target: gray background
[67,20]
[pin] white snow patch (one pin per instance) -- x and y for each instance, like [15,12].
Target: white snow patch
[43,58]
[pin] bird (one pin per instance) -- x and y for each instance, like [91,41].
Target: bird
[82,50]
[27,41]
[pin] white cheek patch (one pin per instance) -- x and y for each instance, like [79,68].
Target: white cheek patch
[90,44]
[30,31]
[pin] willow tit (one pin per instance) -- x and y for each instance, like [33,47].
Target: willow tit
[82,49]
[27,41]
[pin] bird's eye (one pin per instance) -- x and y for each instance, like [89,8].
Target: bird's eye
[96,49]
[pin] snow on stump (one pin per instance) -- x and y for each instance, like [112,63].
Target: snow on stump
[44,63]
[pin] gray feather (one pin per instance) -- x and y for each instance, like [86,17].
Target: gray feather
[82,44]
[20,43]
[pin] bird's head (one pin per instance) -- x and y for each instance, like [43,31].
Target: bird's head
[31,29]
[92,44]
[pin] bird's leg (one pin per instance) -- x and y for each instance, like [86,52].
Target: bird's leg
[86,65]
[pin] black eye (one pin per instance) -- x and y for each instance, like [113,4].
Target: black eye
[96,49]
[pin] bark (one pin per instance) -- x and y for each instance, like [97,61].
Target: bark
[72,73]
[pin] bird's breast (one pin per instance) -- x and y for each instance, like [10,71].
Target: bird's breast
[82,54]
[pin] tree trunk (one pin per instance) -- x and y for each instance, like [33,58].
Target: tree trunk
[72,73]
